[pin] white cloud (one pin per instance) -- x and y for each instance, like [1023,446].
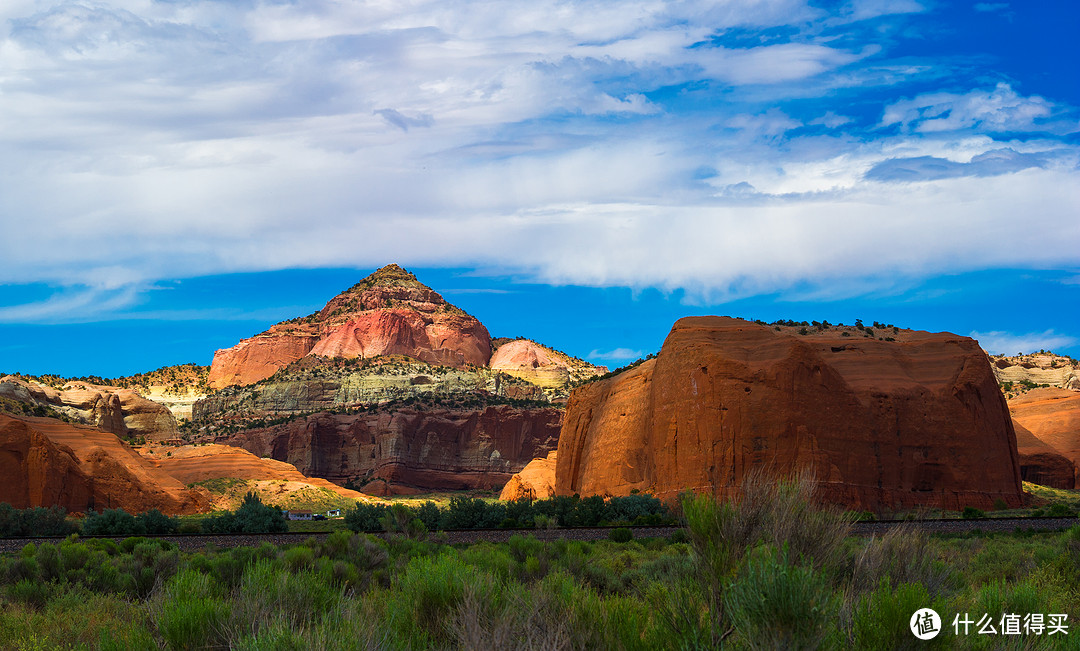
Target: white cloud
[1005,343]
[147,140]
[616,354]
[1001,109]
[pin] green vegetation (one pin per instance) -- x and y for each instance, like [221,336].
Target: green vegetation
[475,513]
[17,408]
[769,570]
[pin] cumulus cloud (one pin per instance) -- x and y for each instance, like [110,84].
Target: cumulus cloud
[1006,343]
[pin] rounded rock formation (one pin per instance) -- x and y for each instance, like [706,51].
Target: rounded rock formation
[883,424]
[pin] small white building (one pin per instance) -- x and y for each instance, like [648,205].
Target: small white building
[333,513]
[298,515]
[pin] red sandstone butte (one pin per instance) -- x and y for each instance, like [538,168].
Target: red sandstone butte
[883,424]
[387,313]
[1053,417]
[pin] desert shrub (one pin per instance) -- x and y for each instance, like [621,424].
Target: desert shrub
[251,517]
[902,555]
[366,517]
[112,522]
[28,592]
[268,593]
[621,535]
[37,521]
[522,619]
[882,618]
[155,522]
[971,513]
[429,514]
[190,614]
[427,593]
[298,558]
[632,507]
[777,605]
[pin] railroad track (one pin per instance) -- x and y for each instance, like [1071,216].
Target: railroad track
[196,542]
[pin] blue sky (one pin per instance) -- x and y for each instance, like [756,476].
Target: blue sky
[176,175]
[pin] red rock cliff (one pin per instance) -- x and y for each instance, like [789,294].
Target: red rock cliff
[408,450]
[1053,417]
[387,313]
[46,462]
[884,425]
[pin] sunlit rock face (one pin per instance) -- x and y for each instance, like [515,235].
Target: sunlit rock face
[883,424]
[47,462]
[387,313]
[1052,417]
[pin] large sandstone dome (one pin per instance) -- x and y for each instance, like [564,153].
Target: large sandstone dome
[884,424]
[388,313]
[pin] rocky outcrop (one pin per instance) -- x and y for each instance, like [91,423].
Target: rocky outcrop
[409,449]
[193,464]
[312,386]
[47,462]
[1053,417]
[121,411]
[1042,464]
[1020,372]
[540,365]
[883,424]
[387,313]
[535,481]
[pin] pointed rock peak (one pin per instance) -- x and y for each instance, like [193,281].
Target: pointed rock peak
[391,275]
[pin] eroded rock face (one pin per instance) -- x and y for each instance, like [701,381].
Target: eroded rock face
[536,481]
[387,313]
[46,462]
[541,365]
[884,425]
[323,388]
[408,450]
[190,464]
[121,411]
[1037,368]
[1053,417]
[1042,464]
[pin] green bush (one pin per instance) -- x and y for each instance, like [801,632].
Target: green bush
[112,522]
[621,535]
[776,605]
[882,618]
[37,521]
[252,517]
[191,615]
[970,513]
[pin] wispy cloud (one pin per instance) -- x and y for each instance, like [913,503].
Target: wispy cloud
[558,141]
[1006,343]
[616,354]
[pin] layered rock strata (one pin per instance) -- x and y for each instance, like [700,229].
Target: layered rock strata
[410,449]
[918,421]
[387,313]
[121,411]
[47,462]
